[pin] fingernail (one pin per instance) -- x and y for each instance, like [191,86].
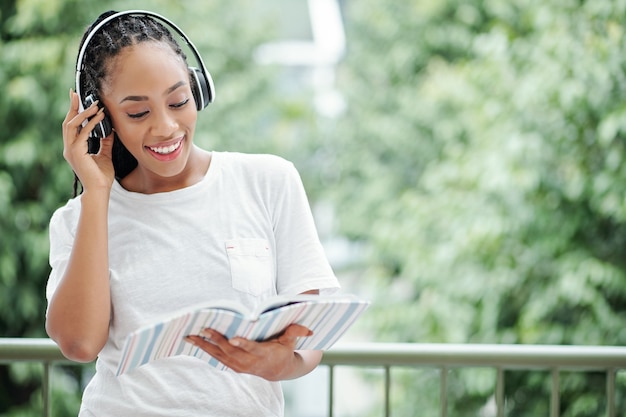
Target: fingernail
[206,333]
[234,342]
[189,340]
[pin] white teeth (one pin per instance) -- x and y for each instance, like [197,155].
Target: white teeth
[164,150]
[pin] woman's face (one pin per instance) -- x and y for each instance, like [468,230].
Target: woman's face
[148,97]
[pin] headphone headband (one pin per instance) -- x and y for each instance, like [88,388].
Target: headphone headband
[204,101]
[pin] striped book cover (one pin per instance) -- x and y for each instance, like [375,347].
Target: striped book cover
[329,317]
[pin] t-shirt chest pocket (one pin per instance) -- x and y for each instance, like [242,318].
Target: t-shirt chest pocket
[251,265]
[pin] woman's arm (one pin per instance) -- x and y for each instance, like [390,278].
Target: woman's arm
[80,309]
[79,312]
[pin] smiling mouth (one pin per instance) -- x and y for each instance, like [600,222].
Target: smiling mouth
[165,150]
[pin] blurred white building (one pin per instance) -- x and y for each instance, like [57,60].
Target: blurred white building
[312,43]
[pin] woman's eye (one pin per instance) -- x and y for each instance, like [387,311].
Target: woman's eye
[141,114]
[137,115]
[180,104]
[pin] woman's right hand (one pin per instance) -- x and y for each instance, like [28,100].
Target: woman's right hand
[93,170]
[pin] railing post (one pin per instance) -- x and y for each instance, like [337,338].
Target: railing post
[45,390]
[610,392]
[555,397]
[500,392]
[443,391]
[331,389]
[387,391]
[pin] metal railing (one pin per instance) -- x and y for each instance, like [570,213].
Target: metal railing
[555,359]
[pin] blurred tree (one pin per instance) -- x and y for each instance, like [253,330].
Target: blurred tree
[481,160]
[36,52]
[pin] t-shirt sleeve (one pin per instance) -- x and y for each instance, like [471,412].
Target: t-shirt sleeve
[302,264]
[62,229]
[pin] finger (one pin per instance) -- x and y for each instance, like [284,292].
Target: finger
[74,106]
[74,100]
[198,341]
[86,113]
[288,337]
[95,119]
[206,345]
[215,337]
[73,110]
[93,116]
[296,330]
[211,347]
[73,127]
[244,344]
[225,345]
[106,146]
[292,333]
[213,342]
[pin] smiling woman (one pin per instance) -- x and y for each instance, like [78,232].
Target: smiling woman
[148,96]
[149,233]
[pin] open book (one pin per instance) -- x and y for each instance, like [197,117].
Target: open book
[329,317]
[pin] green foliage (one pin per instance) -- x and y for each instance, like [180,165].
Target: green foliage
[486,144]
[36,52]
[30,174]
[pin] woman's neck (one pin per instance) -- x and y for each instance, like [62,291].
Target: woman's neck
[141,180]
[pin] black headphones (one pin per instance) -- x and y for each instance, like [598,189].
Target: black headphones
[202,89]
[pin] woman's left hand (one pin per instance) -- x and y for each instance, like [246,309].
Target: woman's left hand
[274,359]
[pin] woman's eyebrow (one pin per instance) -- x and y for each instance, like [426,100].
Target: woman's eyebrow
[174,87]
[144,98]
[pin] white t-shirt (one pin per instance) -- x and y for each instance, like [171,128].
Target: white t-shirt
[169,250]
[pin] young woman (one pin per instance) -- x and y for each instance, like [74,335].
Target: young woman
[151,229]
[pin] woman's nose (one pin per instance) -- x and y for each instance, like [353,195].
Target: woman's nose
[163,124]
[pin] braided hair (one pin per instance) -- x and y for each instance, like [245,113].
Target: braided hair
[106,44]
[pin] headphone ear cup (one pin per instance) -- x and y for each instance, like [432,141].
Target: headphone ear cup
[104,128]
[101,130]
[202,87]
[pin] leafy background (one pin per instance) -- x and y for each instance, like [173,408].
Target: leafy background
[477,173]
